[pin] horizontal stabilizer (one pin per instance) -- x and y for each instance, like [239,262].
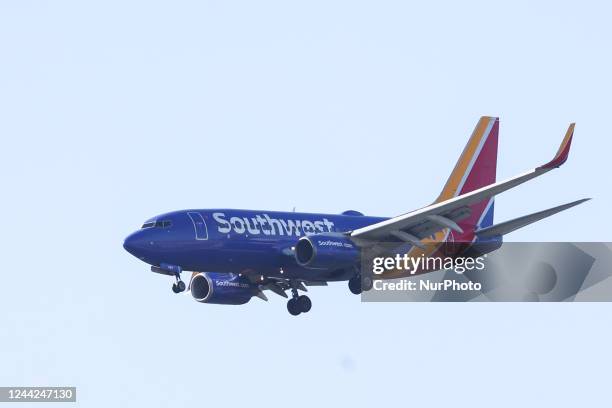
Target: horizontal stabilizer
[512,225]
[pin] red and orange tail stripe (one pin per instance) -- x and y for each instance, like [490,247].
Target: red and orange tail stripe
[483,141]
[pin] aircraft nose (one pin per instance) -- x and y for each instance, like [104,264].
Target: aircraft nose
[128,244]
[133,244]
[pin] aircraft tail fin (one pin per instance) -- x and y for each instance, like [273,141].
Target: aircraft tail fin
[476,168]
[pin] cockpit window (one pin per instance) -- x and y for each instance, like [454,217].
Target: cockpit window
[157,224]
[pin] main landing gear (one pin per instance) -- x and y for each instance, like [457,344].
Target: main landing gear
[298,304]
[358,284]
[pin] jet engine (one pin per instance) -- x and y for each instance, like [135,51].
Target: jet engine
[222,288]
[326,251]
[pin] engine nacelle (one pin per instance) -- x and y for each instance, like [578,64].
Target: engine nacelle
[222,288]
[326,251]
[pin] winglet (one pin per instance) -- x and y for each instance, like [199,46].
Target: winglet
[563,151]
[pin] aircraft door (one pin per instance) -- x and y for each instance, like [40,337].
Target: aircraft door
[199,225]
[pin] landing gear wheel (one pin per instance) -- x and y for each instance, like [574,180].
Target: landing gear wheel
[181,286]
[178,287]
[354,285]
[304,304]
[367,283]
[293,307]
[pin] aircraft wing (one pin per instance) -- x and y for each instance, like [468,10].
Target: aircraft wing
[419,224]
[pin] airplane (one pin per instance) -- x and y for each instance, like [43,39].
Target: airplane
[235,255]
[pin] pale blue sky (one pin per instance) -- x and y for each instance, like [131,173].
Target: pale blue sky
[114,111]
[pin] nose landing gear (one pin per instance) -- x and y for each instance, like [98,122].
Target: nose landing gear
[179,286]
[171,270]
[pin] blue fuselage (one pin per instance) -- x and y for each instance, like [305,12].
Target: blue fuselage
[239,241]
